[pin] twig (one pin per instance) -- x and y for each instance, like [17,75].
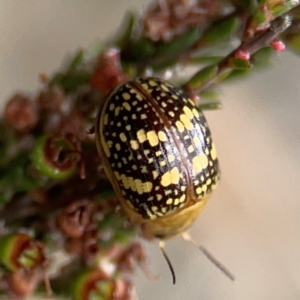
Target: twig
[251,46]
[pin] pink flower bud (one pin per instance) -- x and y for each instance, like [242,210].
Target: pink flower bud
[242,54]
[277,45]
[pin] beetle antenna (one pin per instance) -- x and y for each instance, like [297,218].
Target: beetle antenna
[220,266]
[162,249]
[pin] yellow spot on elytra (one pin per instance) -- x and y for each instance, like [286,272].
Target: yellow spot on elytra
[154,208]
[164,87]
[117,110]
[190,149]
[162,136]
[126,105]
[169,201]
[182,198]
[213,152]
[188,113]
[171,114]
[171,157]
[155,174]
[152,83]
[144,169]
[179,126]
[110,144]
[143,116]
[152,138]
[125,181]
[133,117]
[162,163]
[175,97]
[176,201]
[126,96]
[139,96]
[158,197]
[132,184]
[208,181]
[112,106]
[158,153]
[128,127]
[195,112]
[200,162]
[191,101]
[123,137]
[196,141]
[118,147]
[186,122]
[198,190]
[204,188]
[170,177]
[117,175]
[141,135]
[134,144]
[168,192]
[142,187]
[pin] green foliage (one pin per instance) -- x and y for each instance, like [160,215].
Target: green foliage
[75,75]
[221,30]
[179,44]
[202,77]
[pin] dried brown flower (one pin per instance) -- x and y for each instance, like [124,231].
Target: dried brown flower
[167,18]
[21,113]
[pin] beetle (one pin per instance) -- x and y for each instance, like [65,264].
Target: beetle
[157,151]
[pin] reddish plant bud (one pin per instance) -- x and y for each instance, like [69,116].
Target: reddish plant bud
[124,290]
[112,56]
[93,284]
[133,254]
[20,251]
[108,73]
[75,218]
[277,45]
[73,127]
[51,100]
[242,54]
[86,246]
[21,113]
[56,156]
[194,96]
[21,283]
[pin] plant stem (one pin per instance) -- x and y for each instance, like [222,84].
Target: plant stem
[250,45]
